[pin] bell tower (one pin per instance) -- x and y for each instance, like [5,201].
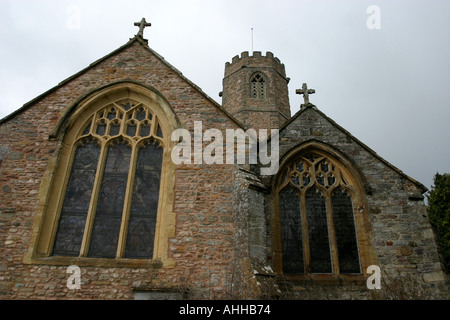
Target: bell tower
[255,90]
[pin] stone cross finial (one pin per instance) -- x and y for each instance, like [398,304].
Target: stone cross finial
[305,92]
[142,24]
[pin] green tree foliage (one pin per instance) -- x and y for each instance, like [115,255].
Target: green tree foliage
[439,213]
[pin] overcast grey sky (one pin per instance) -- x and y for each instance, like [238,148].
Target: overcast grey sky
[387,86]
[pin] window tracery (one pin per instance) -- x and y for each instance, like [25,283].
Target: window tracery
[111,199]
[258,86]
[317,222]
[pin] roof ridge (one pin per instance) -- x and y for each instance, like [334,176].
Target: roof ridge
[362,144]
[63,82]
[144,43]
[196,87]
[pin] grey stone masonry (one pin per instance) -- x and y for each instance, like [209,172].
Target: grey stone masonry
[268,112]
[400,230]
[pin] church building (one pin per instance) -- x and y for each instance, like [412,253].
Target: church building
[107,193]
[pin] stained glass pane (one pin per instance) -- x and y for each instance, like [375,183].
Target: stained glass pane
[344,225]
[311,157]
[76,200]
[159,131]
[101,129]
[131,129]
[108,215]
[306,179]
[112,114]
[145,130]
[300,167]
[87,129]
[320,179]
[142,221]
[140,114]
[114,128]
[318,232]
[291,231]
[331,180]
[295,179]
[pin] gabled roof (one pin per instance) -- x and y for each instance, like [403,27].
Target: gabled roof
[135,39]
[365,147]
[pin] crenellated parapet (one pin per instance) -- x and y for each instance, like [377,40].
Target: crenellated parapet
[255,90]
[257,60]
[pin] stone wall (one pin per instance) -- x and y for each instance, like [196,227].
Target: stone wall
[202,247]
[253,275]
[401,234]
[222,245]
[259,113]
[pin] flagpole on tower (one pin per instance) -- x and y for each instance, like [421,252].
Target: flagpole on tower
[252,41]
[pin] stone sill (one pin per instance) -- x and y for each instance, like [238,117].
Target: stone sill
[100,262]
[325,279]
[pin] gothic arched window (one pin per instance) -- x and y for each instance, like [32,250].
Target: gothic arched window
[317,217]
[111,199]
[107,194]
[258,86]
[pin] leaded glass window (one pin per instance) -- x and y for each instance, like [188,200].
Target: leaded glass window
[111,198]
[341,204]
[291,230]
[77,198]
[144,203]
[318,230]
[319,243]
[110,205]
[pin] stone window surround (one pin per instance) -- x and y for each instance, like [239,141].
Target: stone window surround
[363,230]
[261,90]
[55,178]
